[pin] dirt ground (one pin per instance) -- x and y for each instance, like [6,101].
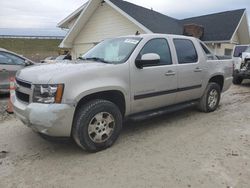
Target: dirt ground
[184,149]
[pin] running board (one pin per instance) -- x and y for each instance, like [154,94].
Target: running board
[161,111]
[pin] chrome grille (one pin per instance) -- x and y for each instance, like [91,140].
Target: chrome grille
[23,91]
[22,96]
[23,83]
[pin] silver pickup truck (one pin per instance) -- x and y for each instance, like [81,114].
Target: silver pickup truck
[127,77]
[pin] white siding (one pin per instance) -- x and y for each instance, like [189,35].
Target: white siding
[104,23]
[71,23]
[228,47]
[236,38]
[219,48]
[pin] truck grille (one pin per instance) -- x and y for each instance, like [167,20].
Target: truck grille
[23,90]
[22,96]
[23,84]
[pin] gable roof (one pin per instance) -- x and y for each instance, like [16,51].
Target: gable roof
[219,26]
[74,15]
[154,21]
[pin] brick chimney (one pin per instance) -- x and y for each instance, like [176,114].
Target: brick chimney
[193,30]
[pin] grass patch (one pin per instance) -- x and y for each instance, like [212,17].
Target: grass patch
[34,49]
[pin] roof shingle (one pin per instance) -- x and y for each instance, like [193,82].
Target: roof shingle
[154,21]
[217,27]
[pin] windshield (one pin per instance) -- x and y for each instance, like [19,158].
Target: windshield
[248,49]
[115,51]
[238,50]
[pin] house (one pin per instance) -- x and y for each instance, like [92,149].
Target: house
[97,20]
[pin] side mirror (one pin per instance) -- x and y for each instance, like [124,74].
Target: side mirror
[149,59]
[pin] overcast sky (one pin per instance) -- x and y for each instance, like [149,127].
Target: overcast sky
[47,13]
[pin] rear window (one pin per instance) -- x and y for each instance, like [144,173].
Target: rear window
[205,49]
[186,51]
[238,50]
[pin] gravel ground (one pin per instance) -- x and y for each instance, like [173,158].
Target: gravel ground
[184,149]
[3,106]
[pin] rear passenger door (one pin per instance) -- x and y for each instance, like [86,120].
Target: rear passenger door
[190,70]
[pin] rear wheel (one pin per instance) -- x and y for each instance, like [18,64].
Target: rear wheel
[97,125]
[211,98]
[237,80]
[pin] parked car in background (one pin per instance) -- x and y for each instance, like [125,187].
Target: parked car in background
[241,57]
[10,63]
[48,59]
[127,77]
[57,59]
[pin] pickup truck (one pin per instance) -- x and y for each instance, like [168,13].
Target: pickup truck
[130,77]
[241,57]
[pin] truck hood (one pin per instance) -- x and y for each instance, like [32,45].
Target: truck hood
[245,55]
[43,73]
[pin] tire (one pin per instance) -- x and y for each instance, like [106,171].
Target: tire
[97,125]
[206,103]
[237,80]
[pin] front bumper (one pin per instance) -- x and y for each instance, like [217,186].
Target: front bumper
[245,74]
[49,119]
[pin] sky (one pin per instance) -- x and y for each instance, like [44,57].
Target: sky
[44,14]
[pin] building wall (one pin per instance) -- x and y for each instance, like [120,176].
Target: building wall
[236,38]
[104,23]
[221,49]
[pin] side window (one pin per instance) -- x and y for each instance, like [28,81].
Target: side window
[210,56]
[205,49]
[4,60]
[186,51]
[9,59]
[160,47]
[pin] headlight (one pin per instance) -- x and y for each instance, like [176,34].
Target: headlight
[48,93]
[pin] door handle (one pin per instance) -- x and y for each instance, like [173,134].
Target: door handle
[170,73]
[198,69]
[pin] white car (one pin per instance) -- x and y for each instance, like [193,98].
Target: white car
[241,57]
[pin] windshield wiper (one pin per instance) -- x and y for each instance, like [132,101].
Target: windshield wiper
[94,59]
[81,58]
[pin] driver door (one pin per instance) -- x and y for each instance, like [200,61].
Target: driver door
[154,86]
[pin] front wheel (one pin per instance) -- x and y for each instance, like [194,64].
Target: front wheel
[211,98]
[97,125]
